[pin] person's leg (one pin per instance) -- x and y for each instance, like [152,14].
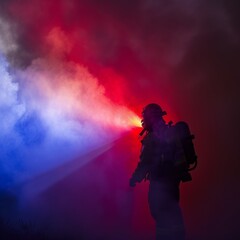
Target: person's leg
[164,207]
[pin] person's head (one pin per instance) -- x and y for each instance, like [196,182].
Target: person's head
[152,113]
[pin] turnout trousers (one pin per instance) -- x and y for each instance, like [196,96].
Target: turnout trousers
[163,198]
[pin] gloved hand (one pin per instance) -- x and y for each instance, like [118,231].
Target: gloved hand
[132,182]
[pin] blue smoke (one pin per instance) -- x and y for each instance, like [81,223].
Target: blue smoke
[36,137]
[31,129]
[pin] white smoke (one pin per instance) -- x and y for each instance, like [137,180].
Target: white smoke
[7,38]
[54,110]
[10,108]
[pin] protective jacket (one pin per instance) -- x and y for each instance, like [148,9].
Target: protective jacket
[157,156]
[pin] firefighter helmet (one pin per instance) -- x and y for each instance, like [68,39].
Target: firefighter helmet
[150,114]
[153,109]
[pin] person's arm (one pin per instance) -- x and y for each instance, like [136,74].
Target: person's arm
[145,163]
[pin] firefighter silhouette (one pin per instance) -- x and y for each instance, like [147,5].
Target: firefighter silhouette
[157,165]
